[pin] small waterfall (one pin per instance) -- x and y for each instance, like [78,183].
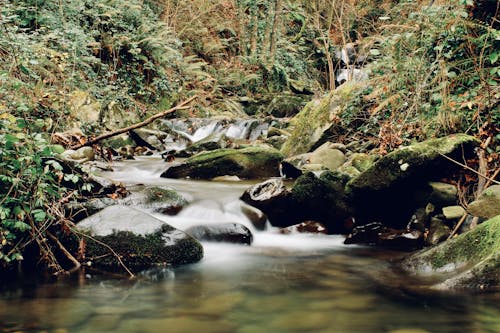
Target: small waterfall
[206,131]
[195,130]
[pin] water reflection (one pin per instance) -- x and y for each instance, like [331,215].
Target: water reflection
[293,291]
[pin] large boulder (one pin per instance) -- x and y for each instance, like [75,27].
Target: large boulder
[392,187]
[319,197]
[139,239]
[314,124]
[251,162]
[322,198]
[469,261]
[488,203]
[222,232]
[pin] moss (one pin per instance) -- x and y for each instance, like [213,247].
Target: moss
[471,260]
[422,158]
[475,245]
[251,162]
[143,251]
[310,124]
[157,194]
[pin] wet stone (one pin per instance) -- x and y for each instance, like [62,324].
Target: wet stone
[222,232]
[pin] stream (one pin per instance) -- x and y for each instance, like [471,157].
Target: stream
[282,283]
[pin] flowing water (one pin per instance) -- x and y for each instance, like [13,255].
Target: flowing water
[282,283]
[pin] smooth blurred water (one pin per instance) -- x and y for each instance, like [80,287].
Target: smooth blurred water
[282,283]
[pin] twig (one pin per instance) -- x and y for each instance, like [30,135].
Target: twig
[458,226]
[470,169]
[110,249]
[494,176]
[181,106]
[64,250]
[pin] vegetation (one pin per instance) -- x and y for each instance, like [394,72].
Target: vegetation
[103,64]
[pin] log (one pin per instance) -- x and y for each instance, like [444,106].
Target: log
[181,106]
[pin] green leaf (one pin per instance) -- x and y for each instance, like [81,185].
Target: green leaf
[21,226]
[493,57]
[39,215]
[10,139]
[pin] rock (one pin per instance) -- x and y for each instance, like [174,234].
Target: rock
[443,194]
[165,200]
[361,161]
[256,216]
[365,234]
[352,74]
[80,155]
[139,239]
[322,198]
[274,199]
[468,261]
[223,232]
[488,203]
[325,157]
[276,141]
[388,190]
[311,227]
[313,125]
[403,240]
[210,143]
[227,179]
[376,233]
[453,212]
[252,162]
[419,220]
[151,139]
[438,232]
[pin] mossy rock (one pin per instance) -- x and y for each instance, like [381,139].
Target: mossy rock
[322,198]
[391,188]
[141,240]
[164,200]
[469,261]
[326,157]
[313,124]
[488,203]
[251,162]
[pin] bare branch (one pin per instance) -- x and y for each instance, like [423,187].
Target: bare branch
[181,106]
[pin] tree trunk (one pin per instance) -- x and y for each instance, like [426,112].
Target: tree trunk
[275,31]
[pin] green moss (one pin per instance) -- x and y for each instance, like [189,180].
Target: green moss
[142,251]
[157,194]
[310,124]
[421,159]
[471,260]
[251,162]
[476,245]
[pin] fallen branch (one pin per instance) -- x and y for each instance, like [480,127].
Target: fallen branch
[181,106]
[61,247]
[464,217]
